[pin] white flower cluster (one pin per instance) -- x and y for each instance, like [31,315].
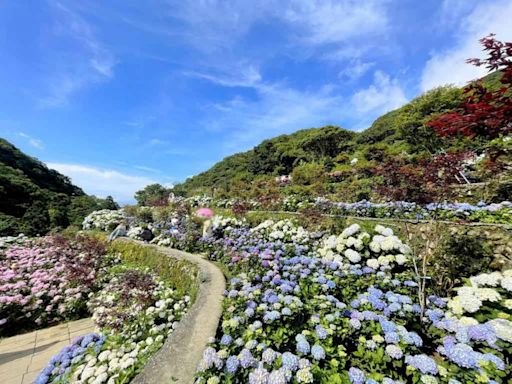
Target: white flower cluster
[135,233]
[383,250]
[9,241]
[283,230]
[104,219]
[135,341]
[470,299]
[163,240]
[493,279]
[226,223]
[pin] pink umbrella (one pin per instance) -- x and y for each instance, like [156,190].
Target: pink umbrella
[205,212]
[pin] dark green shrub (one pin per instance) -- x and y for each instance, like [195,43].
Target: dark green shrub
[462,255]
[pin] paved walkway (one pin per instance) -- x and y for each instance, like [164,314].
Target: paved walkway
[22,357]
[176,361]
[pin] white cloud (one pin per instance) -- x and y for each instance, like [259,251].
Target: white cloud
[383,95]
[103,182]
[89,61]
[36,143]
[449,67]
[326,22]
[215,25]
[355,69]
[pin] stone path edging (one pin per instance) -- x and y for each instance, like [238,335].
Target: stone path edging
[176,361]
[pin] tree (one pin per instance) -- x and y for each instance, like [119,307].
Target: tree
[110,203]
[485,112]
[430,180]
[152,195]
[36,220]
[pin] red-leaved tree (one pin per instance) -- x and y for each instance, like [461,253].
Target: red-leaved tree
[429,180]
[485,112]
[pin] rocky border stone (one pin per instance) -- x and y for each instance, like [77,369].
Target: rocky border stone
[176,361]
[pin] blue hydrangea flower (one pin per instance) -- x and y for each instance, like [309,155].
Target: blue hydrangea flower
[258,376]
[321,333]
[423,363]
[290,361]
[302,344]
[318,352]
[356,376]
[232,364]
[226,339]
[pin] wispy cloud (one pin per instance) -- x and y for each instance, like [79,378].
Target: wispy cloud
[87,61]
[156,142]
[242,76]
[36,143]
[328,22]
[355,69]
[448,67]
[147,169]
[277,109]
[103,182]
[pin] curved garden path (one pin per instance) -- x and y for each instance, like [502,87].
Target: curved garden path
[22,357]
[176,361]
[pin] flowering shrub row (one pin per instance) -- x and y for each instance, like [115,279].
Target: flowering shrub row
[134,313]
[487,213]
[47,280]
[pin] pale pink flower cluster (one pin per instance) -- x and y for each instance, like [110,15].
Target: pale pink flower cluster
[44,282]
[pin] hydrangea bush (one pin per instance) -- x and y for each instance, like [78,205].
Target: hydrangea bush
[134,313]
[305,307]
[104,219]
[498,213]
[48,280]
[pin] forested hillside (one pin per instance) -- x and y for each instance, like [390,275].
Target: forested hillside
[337,161]
[35,199]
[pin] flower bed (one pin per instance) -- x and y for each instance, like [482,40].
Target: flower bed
[344,309]
[47,280]
[141,300]
[307,307]
[134,313]
[486,213]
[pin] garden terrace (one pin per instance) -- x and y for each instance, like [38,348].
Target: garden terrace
[347,306]
[135,294]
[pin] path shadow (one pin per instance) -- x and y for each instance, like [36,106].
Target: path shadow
[11,356]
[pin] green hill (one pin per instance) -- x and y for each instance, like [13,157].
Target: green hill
[310,155]
[35,199]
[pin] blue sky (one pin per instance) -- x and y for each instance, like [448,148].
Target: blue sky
[118,94]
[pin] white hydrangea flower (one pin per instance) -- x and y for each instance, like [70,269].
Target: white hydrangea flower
[350,231]
[503,328]
[488,294]
[384,231]
[353,256]
[506,283]
[467,321]
[400,259]
[373,263]
[486,279]
[471,303]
